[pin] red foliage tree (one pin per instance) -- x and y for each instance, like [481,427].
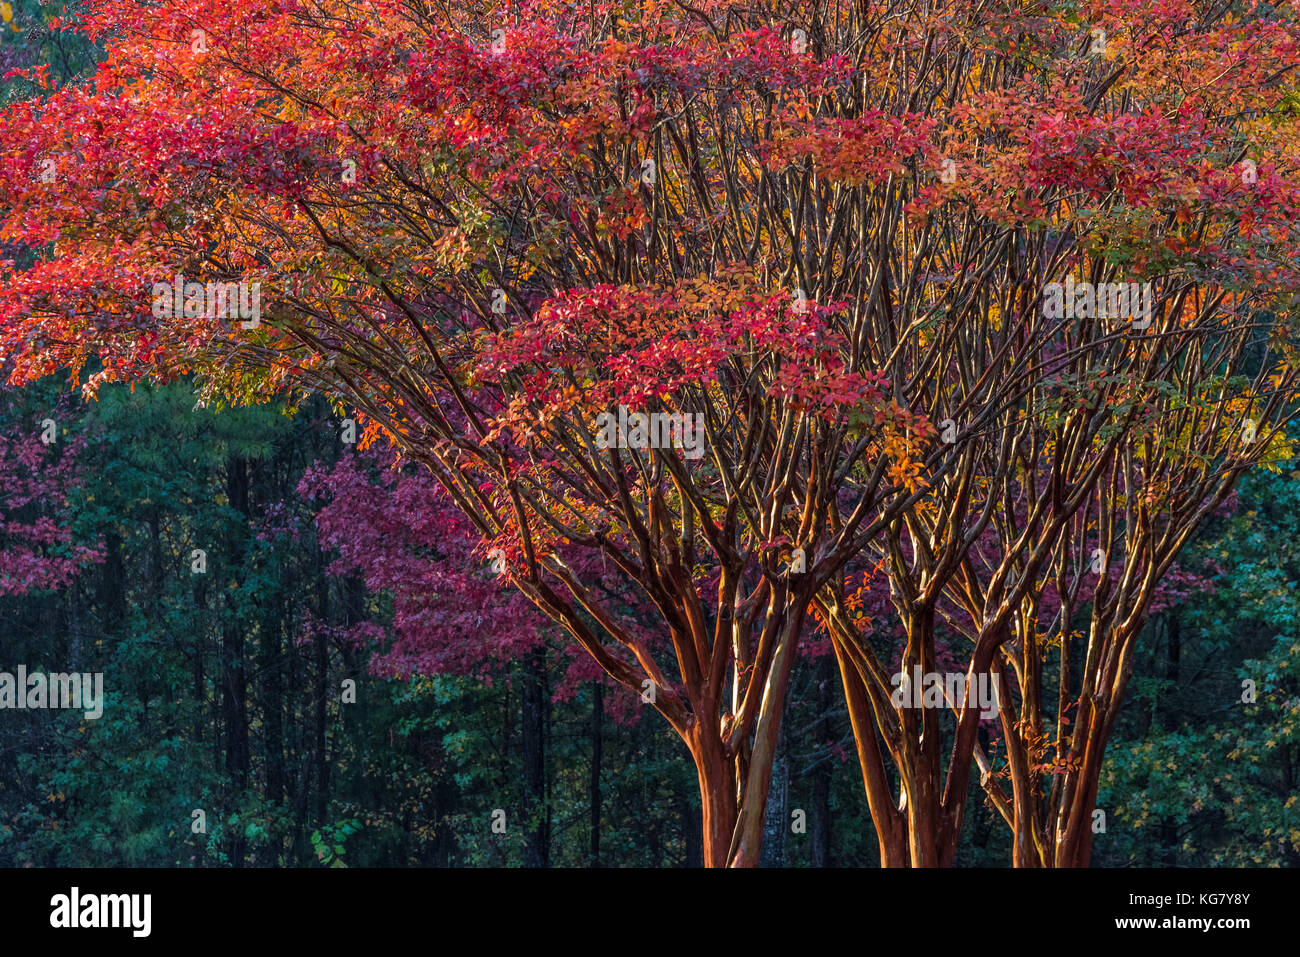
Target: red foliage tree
[823,232]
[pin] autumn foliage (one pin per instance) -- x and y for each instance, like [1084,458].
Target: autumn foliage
[826,230]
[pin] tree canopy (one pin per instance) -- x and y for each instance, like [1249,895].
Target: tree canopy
[989,304]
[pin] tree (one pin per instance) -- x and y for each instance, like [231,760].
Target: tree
[496,232]
[1122,435]
[395,528]
[41,471]
[502,406]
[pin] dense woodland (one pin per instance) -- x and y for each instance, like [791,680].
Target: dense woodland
[225,689]
[301,638]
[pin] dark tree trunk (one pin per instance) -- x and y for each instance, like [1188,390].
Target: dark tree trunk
[234,683]
[112,583]
[692,830]
[823,734]
[537,849]
[597,714]
[273,698]
[321,759]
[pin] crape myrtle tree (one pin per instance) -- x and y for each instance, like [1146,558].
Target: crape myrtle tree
[817,233]
[1155,147]
[481,228]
